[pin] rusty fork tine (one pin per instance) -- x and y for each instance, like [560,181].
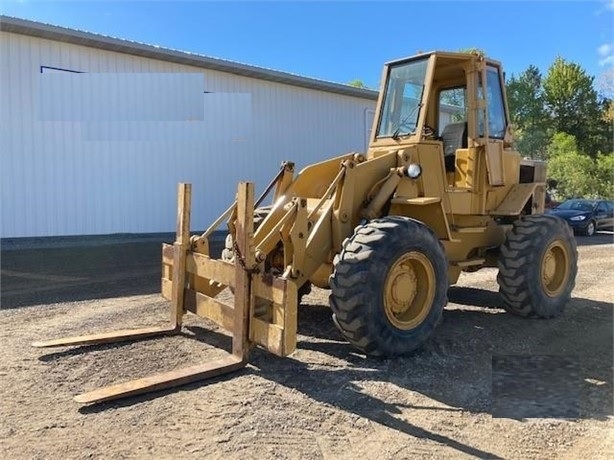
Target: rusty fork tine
[164,380]
[107,337]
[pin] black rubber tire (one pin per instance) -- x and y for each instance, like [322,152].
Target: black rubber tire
[520,266]
[590,229]
[358,283]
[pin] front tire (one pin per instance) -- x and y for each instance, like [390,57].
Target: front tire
[538,267]
[389,286]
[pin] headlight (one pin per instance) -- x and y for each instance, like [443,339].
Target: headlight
[577,218]
[414,171]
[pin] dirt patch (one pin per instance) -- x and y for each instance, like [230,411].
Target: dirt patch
[326,400]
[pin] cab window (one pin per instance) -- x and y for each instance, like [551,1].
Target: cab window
[496,109]
[452,107]
[403,99]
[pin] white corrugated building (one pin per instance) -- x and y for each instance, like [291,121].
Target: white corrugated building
[95,132]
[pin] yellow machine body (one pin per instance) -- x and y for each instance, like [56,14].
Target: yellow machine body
[440,169]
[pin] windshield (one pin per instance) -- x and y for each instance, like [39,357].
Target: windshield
[577,205]
[403,99]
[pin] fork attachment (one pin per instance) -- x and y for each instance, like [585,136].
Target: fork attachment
[191,280]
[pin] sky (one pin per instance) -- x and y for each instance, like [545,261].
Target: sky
[346,40]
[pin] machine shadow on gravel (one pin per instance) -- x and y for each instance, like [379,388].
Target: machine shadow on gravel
[316,320]
[455,367]
[474,297]
[341,388]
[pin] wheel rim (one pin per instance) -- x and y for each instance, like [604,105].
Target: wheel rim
[555,268]
[590,229]
[409,290]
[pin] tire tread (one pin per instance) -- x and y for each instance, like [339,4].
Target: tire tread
[519,271]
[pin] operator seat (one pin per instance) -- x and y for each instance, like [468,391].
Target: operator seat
[454,137]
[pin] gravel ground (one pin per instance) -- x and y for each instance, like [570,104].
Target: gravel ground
[488,385]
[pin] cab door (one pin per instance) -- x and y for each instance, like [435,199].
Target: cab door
[492,122]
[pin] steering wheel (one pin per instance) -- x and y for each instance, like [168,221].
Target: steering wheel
[428,131]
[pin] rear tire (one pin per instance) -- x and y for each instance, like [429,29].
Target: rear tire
[389,286]
[538,267]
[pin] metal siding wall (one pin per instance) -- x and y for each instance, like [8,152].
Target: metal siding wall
[54,182]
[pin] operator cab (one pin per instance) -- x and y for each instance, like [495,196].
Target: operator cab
[455,99]
[425,94]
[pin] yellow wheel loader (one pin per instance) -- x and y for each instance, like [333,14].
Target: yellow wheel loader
[439,191]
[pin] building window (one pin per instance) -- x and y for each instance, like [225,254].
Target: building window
[49,69]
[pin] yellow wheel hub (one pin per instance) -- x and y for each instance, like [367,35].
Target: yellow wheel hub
[409,290]
[555,268]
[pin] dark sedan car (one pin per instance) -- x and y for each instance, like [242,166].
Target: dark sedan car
[586,216]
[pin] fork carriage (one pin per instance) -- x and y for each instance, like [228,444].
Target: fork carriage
[192,280]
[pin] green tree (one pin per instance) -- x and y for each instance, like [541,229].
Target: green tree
[573,104]
[605,89]
[526,99]
[473,50]
[529,118]
[601,132]
[561,144]
[532,142]
[574,172]
[604,173]
[568,120]
[356,83]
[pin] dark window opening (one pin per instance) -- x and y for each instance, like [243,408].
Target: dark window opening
[49,69]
